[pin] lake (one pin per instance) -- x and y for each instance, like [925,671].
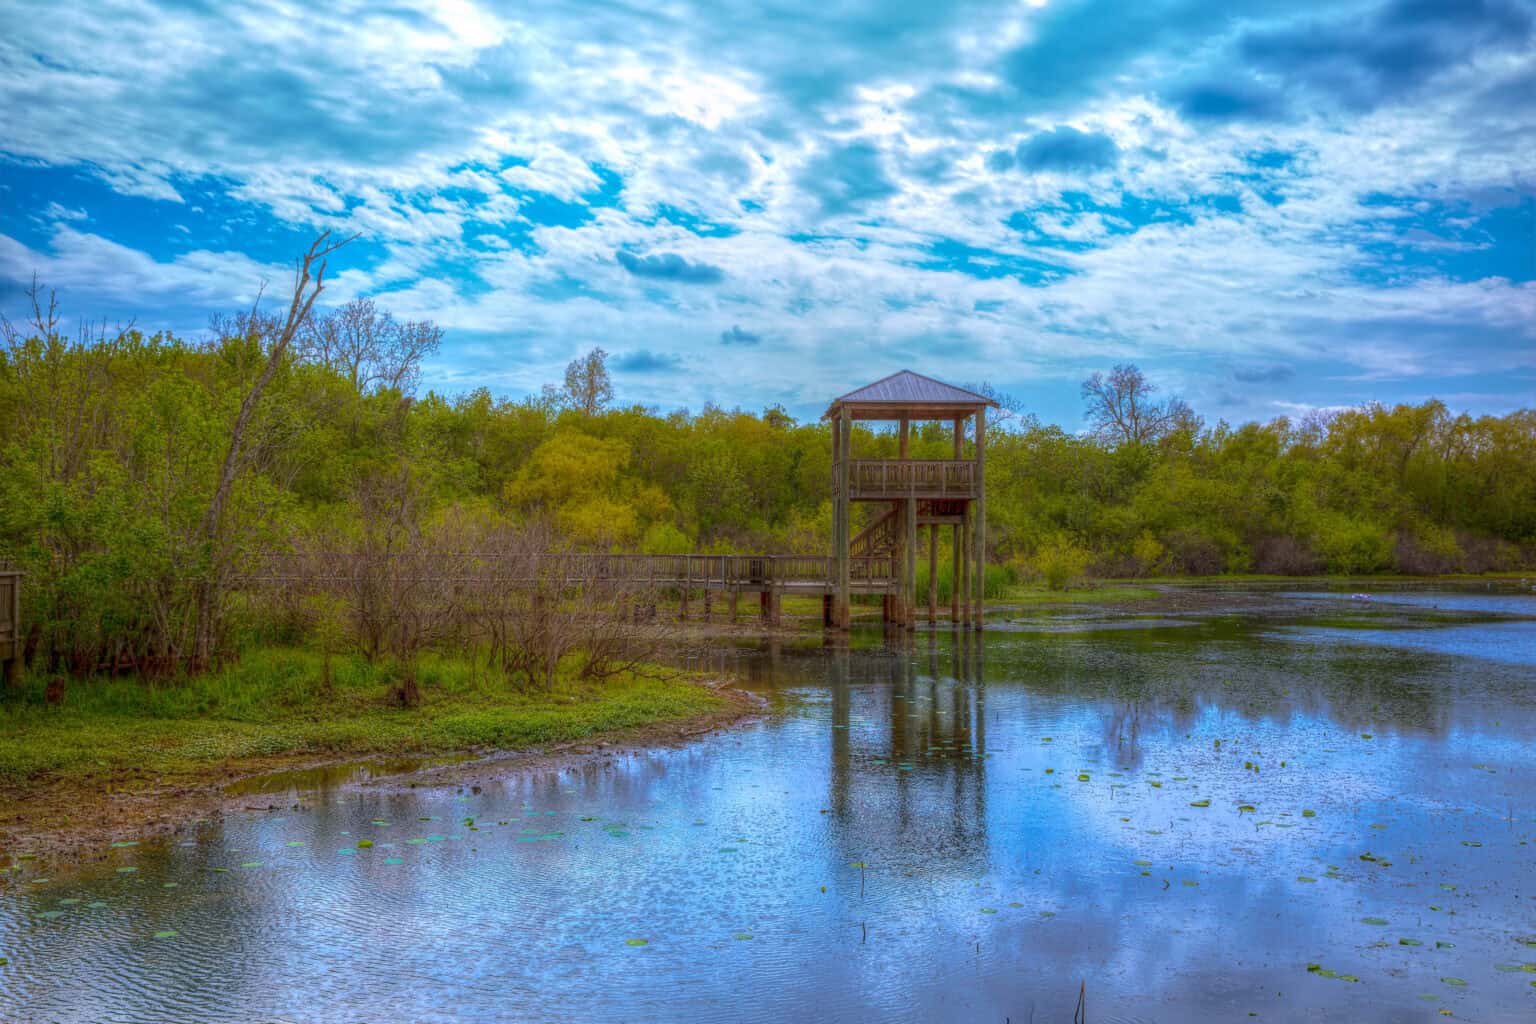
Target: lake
[1250,804]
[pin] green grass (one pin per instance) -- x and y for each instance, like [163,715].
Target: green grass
[273,703]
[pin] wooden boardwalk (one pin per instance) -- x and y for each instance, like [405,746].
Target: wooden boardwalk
[770,576]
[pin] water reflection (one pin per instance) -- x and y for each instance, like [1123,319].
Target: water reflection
[931,827]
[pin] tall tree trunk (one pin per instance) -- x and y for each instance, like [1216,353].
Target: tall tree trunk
[309,282]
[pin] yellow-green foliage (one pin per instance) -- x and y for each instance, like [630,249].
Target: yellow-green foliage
[1060,562]
[1148,552]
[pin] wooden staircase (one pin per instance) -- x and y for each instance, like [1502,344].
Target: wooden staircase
[878,538]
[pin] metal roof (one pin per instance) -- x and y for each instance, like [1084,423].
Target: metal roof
[907,388]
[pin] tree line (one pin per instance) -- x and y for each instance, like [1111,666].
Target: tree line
[143,475]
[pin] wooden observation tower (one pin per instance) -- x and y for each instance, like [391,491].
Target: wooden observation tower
[920,493]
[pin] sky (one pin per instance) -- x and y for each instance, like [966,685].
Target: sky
[1270,206]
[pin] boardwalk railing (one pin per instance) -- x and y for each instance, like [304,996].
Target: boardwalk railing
[704,572]
[904,478]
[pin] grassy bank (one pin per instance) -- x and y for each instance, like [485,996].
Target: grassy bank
[275,703]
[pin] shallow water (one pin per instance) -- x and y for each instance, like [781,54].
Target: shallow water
[1029,812]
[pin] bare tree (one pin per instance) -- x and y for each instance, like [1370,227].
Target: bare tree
[43,322]
[587,386]
[371,348]
[530,606]
[1008,406]
[405,585]
[309,282]
[1121,409]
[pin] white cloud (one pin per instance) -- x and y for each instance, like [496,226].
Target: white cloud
[414,124]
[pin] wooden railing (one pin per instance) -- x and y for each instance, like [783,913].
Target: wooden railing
[902,478]
[745,572]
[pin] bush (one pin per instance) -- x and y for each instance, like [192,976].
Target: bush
[1192,553]
[1349,547]
[1428,550]
[1060,561]
[1286,556]
[1490,554]
[1148,552]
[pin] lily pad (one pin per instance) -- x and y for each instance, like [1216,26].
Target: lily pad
[636,942]
[1374,920]
[169,933]
[743,936]
[1454,982]
[1199,803]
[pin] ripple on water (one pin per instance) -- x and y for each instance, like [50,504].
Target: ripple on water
[996,794]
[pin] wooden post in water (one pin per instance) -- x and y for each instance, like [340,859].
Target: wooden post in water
[909,534]
[933,573]
[957,535]
[842,430]
[980,527]
[963,568]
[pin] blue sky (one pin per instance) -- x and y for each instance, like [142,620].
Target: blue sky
[1270,206]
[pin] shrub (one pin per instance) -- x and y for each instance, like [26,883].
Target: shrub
[1192,553]
[1286,556]
[1060,561]
[1349,546]
[1148,552]
[1428,550]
